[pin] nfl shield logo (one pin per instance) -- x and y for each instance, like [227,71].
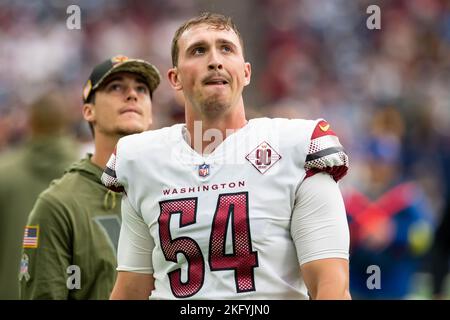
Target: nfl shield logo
[203,170]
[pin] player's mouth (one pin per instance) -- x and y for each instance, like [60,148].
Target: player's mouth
[130,110]
[215,81]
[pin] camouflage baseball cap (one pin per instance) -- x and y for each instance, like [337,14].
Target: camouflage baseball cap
[119,64]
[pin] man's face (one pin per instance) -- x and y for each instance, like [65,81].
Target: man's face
[122,106]
[211,69]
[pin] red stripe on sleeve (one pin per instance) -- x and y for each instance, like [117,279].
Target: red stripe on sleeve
[322,129]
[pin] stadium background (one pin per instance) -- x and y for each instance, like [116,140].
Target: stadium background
[309,59]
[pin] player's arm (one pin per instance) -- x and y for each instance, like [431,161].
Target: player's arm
[320,232]
[134,255]
[132,286]
[327,279]
[46,253]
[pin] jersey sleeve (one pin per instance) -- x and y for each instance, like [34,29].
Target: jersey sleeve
[109,177]
[135,242]
[325,153]
[319,225]
[46,253]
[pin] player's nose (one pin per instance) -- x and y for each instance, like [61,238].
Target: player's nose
[215,62]
[131,93]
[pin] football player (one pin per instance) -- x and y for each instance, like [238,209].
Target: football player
[257,216]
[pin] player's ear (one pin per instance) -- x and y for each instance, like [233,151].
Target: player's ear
[174,78]
[247,73]
[89,112]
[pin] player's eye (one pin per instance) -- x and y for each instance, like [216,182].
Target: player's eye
[115,87]
[198,50]
[142,89]
[227,48]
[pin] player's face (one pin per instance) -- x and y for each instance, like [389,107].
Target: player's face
[211,69]
[122,105]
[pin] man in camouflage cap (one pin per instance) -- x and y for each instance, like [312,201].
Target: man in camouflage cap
[70,241]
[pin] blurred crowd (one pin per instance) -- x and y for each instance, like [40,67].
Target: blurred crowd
[385,92]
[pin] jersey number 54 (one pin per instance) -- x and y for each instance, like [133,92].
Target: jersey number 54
[231,208]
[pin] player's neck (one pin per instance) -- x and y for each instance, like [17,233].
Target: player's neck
[203,130]
[104,147]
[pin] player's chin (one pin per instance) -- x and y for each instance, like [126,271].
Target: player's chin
[133,127]
[215,104]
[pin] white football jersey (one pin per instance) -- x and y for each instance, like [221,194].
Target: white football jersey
[220,226]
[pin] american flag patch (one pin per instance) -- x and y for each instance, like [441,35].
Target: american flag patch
[31,236]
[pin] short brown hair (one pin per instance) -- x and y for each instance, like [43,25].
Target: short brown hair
[215,20]
[48,114]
